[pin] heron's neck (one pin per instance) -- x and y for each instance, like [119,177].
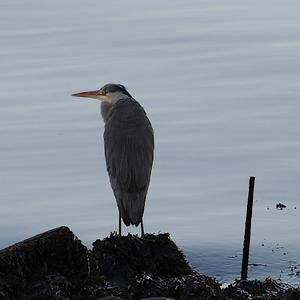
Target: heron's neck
[109,102]
[115,97]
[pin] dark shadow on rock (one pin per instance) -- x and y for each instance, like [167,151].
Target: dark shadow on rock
[121,259]
[269,289]
[51,265]
[186,287]
[56,266]
[151,267]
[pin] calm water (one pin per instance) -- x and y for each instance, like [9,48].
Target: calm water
[220,83]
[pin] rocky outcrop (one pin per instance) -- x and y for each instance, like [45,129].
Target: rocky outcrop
[56,266]
[150,267]
[122,259]
[43,266]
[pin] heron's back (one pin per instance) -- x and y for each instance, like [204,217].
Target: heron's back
[129,145]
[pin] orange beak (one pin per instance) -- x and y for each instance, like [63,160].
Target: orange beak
[89,94]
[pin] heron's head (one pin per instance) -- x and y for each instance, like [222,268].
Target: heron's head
[109,93]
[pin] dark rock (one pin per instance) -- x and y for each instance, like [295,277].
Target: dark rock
[289,294]
[51,265]
[158,298]
[121,259]
[187,287]
[255,289]
[56,266]
[151,267]
[57,249]
[110,298]
[53,286]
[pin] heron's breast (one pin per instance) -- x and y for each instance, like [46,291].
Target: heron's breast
[105,110]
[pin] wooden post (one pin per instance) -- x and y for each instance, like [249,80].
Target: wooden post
[244,271]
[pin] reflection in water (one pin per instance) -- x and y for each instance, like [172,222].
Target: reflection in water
[220,84]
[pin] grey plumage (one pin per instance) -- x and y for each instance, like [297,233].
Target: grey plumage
[129,145]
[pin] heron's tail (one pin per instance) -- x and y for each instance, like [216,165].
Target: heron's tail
[131,207]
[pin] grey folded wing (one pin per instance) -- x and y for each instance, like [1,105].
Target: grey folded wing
[129,146]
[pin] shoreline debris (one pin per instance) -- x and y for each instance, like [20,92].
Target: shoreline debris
[280,206]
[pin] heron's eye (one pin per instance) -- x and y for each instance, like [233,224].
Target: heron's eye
[102,92]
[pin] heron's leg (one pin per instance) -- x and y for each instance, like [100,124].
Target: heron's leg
[120,233]
[142,229]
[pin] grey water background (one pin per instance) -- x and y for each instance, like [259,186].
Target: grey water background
[220,83]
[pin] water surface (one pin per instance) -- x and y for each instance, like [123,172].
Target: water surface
[220,83]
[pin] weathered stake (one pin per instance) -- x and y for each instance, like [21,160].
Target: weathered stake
[244,271]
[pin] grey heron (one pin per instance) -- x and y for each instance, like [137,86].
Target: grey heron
[129,146]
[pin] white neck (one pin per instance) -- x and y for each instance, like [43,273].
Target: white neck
[113,98]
